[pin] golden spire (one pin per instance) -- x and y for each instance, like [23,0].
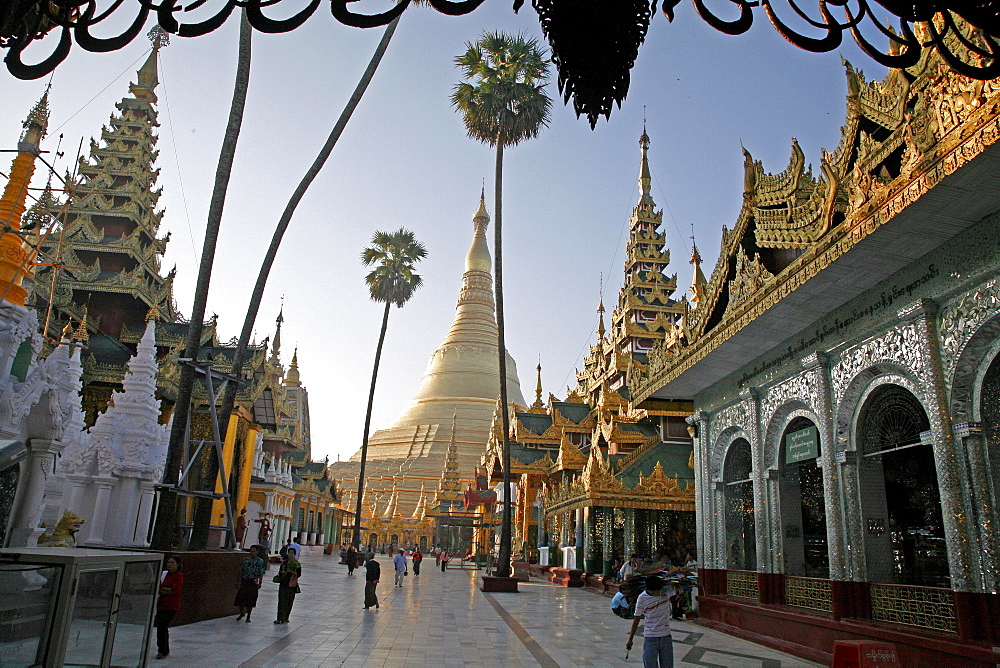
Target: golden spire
[276,346]
[81,333]
[538,406]
[153,313]
[600,320]
[698,281]
[13,256]
[478,257]
[645,180]
[67,331]
[538,385]
[420,512]
[148,80]
[292,375]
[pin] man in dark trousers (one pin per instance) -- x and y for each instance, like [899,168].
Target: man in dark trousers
[372,574]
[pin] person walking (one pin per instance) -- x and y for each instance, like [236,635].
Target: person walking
[444,560]
[251,572]
[288,587]
[351,559]
[171,585]
[654,605]
[372,574]
[417,557]
[399,561]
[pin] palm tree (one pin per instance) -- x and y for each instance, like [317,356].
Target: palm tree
[163,533]
[392,281]
[504,104]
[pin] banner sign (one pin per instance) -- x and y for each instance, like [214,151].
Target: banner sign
[802,445]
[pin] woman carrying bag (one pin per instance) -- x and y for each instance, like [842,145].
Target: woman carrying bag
[251,571]
[288,586]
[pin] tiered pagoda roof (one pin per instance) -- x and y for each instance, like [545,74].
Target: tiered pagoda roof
[108,256]
[646,312]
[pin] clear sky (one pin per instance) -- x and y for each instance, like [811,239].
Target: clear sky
[405,160]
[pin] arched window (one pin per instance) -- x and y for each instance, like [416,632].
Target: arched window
[900,500]
[741,542]
[802,505]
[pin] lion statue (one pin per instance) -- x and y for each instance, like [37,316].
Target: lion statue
[64,535]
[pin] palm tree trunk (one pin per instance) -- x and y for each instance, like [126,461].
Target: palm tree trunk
[163,534]
[356,539]
[503,558]
[229,398]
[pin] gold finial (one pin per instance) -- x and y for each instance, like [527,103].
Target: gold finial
[37,123]
[538,387]
[645,179]
[67,331]
[600,320]
[153,313]
[481,217]
[81,333]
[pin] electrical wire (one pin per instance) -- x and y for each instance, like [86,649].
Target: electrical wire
[177,163]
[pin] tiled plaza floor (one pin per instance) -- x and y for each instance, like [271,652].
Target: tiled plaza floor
[440,619]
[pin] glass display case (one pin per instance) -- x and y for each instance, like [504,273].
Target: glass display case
[76,607]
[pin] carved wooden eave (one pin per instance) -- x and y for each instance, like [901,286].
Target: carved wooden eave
[570,456]
[928,122]
[598,486]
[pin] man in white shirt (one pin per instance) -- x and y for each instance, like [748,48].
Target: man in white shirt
[399,561]
[654,605]
[296,547]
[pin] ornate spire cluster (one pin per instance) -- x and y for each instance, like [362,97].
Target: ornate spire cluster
[646,311]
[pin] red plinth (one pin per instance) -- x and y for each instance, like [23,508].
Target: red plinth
[567,577]
[492,583]
[521,571]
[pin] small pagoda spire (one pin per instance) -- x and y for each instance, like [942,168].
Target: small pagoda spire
[153,313]
[538,384]
[600,320]
[81,333]
[698,282]
[292,375]
[420,512]
[276,346]
[148,79]
[645,180]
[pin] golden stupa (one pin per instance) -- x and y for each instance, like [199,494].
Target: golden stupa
[456,398]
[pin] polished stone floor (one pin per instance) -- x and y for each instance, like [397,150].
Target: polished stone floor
[440,619]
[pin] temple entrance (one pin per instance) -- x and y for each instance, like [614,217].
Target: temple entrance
[423,543]
[741,540]
[900,499]
[802,504]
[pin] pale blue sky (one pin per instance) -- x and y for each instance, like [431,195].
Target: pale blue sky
[405,160]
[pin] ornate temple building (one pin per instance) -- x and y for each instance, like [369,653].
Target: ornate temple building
[453,406]
[102,267]
[598,475]
[844,368]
